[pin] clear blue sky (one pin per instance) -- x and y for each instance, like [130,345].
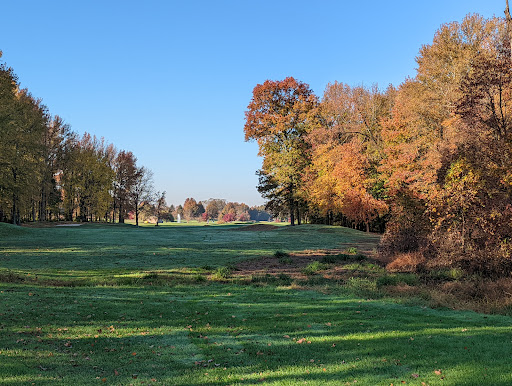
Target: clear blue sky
[171,80]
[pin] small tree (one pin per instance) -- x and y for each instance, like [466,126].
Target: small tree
[160,206]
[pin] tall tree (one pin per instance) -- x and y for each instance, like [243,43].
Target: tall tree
[279,117]
[126,174]
[22,124]
[141,189]
[213,208]
[54,138]
[346,151]
[192,209]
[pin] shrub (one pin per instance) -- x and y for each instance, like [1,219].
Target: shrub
[314,267]
[284,277]
[360,284]
[223,273]
[280,254]
[406,262]
[199,278]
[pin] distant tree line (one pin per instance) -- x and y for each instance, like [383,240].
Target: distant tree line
[219,210]
[48,172]
[429,162]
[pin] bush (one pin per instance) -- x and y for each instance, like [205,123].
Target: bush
[199,278]
[314,267]
[280,254]
[360,284]
[407,262]
[223,273]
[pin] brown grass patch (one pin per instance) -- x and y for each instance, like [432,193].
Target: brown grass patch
[406,262]
[294,264]
[271,265]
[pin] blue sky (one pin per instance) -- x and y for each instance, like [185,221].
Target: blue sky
[171,80]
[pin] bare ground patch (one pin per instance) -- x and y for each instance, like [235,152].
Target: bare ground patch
[293,265]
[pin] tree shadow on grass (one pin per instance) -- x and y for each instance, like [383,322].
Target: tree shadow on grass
[241,335]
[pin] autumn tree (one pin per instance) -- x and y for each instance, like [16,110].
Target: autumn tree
[346,151]
[213,208]
[141,189]
[446,148]
[279,117]
[192,209]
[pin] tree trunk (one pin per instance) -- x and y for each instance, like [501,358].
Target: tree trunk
[137,214]
[121,214]
[42,205]
[14,218]
[292,213]
[299,220]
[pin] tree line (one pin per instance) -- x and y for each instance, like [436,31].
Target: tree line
[48,172]
[429,162]
[215,209]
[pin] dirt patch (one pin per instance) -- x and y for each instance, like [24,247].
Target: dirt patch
[257,227]
[293,265]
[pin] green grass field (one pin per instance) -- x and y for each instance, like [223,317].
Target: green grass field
[109,304]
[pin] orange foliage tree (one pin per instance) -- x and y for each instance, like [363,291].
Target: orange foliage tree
[346,149]
[279,117]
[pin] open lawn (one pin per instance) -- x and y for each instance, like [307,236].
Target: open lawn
[109,304]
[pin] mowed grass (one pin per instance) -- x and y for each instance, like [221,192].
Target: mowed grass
[96,253]
[211,333]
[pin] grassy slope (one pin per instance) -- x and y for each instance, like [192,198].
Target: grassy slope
[221,333]
[103,251]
